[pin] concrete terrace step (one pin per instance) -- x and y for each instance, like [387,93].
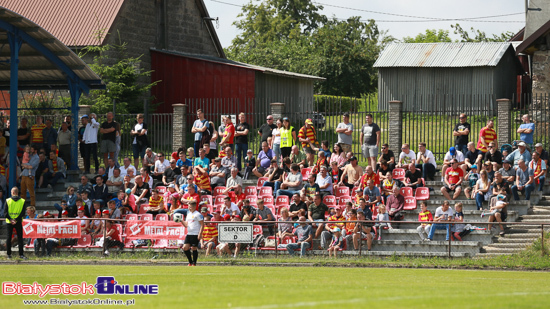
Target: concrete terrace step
[514,240]
[510,245]
[426,246]
[502,251]
[469,216]
[541,217]
[483,236]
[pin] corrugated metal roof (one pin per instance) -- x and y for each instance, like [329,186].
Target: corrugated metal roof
[73,22]
[37,71]
[241,64]
[442,54]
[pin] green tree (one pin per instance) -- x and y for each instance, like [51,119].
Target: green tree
[122,75]
[430,36]
[480,36]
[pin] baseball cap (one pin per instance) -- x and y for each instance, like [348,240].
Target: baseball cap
[473,166]
[226,217]
[521,144]
[204,209]
[308,121]
[81,208]
[336,229]
[64,213]
[84,116]
[452,151]
[46,213]
[105,212]
[237,216]
[500,196]
[358,190]
[218,159]
[249,150]
[538,145]
[128,191]
[171,185]
[507,161]
[98,212]
[353,158]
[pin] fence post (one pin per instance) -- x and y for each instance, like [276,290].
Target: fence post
[504,127]
[180,126]
[277,110]
[395,125]
[83,110]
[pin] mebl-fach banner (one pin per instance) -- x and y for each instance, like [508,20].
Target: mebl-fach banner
[51,229]
[155,229]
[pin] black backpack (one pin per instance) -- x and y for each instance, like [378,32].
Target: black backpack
[207,134]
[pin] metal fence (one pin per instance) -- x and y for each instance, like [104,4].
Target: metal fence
[537,106]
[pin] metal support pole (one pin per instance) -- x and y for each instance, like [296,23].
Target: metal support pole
[542,238]
[449,227]
[75,97]
[104,236]
[276,245]
[15,45]
[360,238]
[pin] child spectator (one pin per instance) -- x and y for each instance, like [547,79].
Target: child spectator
[112,237]
[96,225]
[425,215]
[249,163]
[458,217]
[382,216]
[337,242]
[350,216]
[348,211]
[472,178]
[156,203]
[26,157]
[84,224]
[499,205]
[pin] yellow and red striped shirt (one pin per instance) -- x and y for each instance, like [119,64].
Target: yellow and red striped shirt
[209,232]
[335,225]
[54,164]
[36,133]
[309,133]
[489,135]
[203,182]
[155,202]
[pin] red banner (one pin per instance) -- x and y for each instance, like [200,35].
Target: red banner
[155,229]
[49,229]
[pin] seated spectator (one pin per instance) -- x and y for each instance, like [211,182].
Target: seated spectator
[114,212]
[125,166]
[64,210]
[543,153]
[209,238]
[141,192]
[388,156]
[233,181]
[56,170]
[295,206]
[284,228]
[336,243]
[190,182]
[498,213]
[145,176]
[316,212]
[131,174]
[304,232]
[321,161]
[338,155]
[248,211]
[500,186]
[170,173]
[249,164]
[203,181]
[100,191]
[413,177]
[70,200]
[156,203]
[161,164]
[493,156]
[349,214]
[524,181]
[84,224]
[395,204]
[217,174]
[84,185]
[264,214]
[362,230]
[292,183]
[425,215]
[115,182]
[149,159]
[274,174]
[335,173]
[324,181]
[265,157]
[508,171]
[229,161]
[229,207]
[472,177]
[371,194]
[352,174]
[380,218]
[458,228]
[42,169]
[453,181]
[425,161]
[406,157]
[298,157]
[539,170]
[453,153]
[370,175]
[383,170]
[111,165]
[112,238]
[444,215]
[471,157]
[518,154]
[388,185]
[327,234]
[488,167]
[182,160]
[191,196]
[202,160]
[87,203]
[237,196]
[95,225]
[311,188]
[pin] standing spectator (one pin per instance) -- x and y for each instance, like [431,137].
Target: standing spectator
[304,232]
[199,127]
[443,214]
[266,130]
[264,160]
[288,138]
[352,174]
[276,140]
[56,170]
[108,138]
[6,133]
[520,153]
[472,156]
[345,131]
[524,181]
[543,153]
[526,131]
[425,161]
[370,139]
[388,156]
[50,136]
[539,170]
[140,142]
[90,141]
[42,169]
[406,157]
[64,139]
[37,138]
[308,137]
[425,215]
[461,133]
[160,165]
[23,133]
[228,134]
[494,156]
[28,173]
[453,180]
[380,218]
[487,135]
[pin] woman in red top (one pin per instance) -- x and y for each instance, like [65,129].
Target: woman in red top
[228,135]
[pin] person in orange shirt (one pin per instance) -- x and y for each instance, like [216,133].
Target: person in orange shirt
[486,136]
[308,137]
[369,175]
[37,138]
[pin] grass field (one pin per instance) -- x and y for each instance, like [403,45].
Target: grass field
[299,287]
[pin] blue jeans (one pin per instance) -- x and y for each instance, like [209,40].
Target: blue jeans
[182,211]
[196,147]
[288,193]
[269,184]
[462,148]
[526,190]
[276,186]
[277,152]
[542,179]
[240,152]
[428,170]
[479,201]
[303,247]
[440,226]
[52,178]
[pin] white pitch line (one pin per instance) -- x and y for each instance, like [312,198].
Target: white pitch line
[302,304]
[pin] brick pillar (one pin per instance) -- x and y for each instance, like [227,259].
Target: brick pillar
[504,127]
[395,126]
[83,110]
[277,110]
[180,126]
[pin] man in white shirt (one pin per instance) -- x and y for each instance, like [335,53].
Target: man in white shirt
[194,222]
[425,162]
[443,214]
[160,165]
[229,207]
[406,157]
[90,141]
[124,168]
[324,180]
